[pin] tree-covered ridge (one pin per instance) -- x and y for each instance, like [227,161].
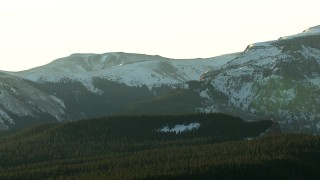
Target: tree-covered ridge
[131,147]
[277,157]
[121,134]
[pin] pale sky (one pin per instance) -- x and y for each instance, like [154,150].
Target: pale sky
[35,32]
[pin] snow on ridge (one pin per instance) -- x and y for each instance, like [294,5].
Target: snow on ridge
[130,69]
[260,56]
[61,77]
[156,73]
[313,29]
[179,128]
[262,44]
[308,32]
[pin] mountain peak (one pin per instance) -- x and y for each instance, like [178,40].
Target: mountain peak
[312,31]
[315,29]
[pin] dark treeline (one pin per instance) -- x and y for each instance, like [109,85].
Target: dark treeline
[131,147]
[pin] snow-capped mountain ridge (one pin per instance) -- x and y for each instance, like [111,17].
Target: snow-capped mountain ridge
[55,90]
[130,69]
[82,63]
[315,29]
[274,79]
[312,31]
[277,80]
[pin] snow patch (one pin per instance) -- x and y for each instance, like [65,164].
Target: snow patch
[5,117]
[3,126]
[309,52]
[179,128]
[315,81]
[58,101]
[204,94]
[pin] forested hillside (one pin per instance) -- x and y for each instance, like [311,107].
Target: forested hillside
[137,147]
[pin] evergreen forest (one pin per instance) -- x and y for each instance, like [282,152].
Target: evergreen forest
[135,147]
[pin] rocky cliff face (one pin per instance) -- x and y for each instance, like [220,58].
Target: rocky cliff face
[276,79]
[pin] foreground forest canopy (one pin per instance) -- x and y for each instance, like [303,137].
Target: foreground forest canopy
[149,147]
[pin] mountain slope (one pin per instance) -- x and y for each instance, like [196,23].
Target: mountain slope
[276,79]
[178,101]
[92,85]
[19,99]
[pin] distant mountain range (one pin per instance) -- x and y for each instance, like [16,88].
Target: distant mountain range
[276,80]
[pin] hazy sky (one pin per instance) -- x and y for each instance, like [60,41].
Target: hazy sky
[35,32]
